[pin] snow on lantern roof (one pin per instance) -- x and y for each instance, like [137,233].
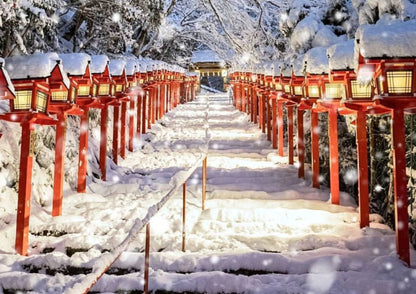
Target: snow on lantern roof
[75,64]
[132,66]
[286,70]
[341,56]
[98,63]
[268,68]
[35,66]
[395,39]
[206,55]
[316,61]
[277,68]
[9,83]
[298,66]
[117,67]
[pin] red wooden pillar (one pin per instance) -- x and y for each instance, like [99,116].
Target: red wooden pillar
[290,132]
[139,120]
[144,111]
[301,143]
[25,188]
[116,128]
[255,104]
[58,179]
[103,143]
[260,104]
[400,186]
[162,99]
[131,124]
[83,153]
[315,149]
[264,112]
[150,108]
[244,97]
[280,127]
[362,159]
[269,113]
[274,123]
[333,154]
[123,129]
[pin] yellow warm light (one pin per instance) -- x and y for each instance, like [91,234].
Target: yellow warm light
[298,90]
[333,91]
[73,94]
[104,89]
[119,88]
[360,90]
[23,99]
[41,99]
[59,96]
[84,91]
[313,91]
[94,90]
[278,86]
[399,82]
[287,89]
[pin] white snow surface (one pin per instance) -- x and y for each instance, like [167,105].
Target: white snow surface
[317,61]
[98,63]
[132,66]
[117,66]
[205,56]
[37,65]
[341,56]
[263,229]
[75,64]
[387,39]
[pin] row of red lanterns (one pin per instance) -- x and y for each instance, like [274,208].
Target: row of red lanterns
[45,88]
[324,80]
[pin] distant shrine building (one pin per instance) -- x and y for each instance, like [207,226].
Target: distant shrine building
[212,70]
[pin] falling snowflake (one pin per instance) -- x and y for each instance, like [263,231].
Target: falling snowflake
[116,17]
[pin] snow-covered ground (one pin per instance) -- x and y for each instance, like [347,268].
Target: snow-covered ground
[263,230]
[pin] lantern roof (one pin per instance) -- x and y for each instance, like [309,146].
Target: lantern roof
[392,39]
[35,66]
[286,70]
[341,56]
[9,83]
[132,66]
[298,66]
[75,64]
[316,61]
[98,63]
[117,66]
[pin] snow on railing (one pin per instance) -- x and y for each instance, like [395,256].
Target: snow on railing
[85,283]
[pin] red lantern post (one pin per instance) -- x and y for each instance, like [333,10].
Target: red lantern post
[394,65]
[30,107]
[104,89]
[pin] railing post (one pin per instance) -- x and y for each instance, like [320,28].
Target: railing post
[183,216]
[146,260]
[204,182]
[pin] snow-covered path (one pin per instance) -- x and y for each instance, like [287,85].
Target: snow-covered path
[263,230]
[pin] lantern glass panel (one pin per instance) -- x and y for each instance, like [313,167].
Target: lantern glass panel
[23,99]
[313,91]
[399,82]
[84,91]
[278,86]
[333,91]
[113,90]
[41,100]
[104,89]
[119,88]
[360,90]
[59,96]
[287,89]
[298,90]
